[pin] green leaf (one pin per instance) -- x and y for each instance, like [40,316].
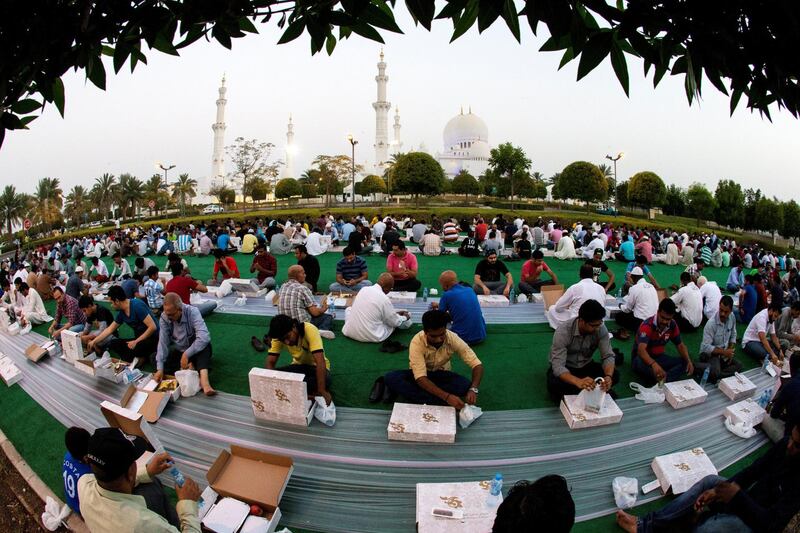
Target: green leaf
[422,12]
[246,25]
[121,53]
[569,55]
[375,16]
[58,95]
[27,120]
[554,44]
[330,44]
[487,14]
[96,72]
[23,107]
[661,69]
[222,36]
[107,50]
[466,20]
[714,78]
[596,49]
[512,19]
[164,44]
[367,31]
[453,10]
[294,31]
[620,67]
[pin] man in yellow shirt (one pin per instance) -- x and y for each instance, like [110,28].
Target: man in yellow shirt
[249,242]
[120,496]
[430,379]
[304,344]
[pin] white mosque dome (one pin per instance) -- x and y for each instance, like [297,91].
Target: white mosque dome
[480,150]
[464,128]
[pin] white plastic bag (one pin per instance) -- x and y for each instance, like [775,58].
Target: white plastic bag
[468,415]
[27,329]
[189,381]
[241,301]
[654,394]
[324,413]
[741,429]
[625,490]
[53,516]
[593,399]
[522,299]
[14,328]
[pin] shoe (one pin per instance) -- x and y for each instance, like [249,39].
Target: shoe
[389,396]
[327,334]
[378,390]
[622,334]
[257,344]
[392,347]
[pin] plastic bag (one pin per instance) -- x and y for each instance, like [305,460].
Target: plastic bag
[740,430]
[14,328]
[27,329]
[53,516]
[189,381]
[324,413]
[654,394]
[240,301]
[522,299]
[468,415]
[625,491]
[593,399]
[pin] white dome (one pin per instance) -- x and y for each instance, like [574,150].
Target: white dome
[461,128]
[480,150]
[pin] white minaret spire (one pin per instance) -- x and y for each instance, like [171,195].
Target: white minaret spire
[397,144]
[382,107]
[288,170]
[218,158]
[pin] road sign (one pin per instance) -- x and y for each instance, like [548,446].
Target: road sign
[151,204]
[27,224]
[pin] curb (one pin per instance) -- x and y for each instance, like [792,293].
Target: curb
[73,522]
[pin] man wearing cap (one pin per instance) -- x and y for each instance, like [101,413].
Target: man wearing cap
[599,267]
[645,248]
[121,496]
[75,286]
[640,304]
[591,249]
[641,262]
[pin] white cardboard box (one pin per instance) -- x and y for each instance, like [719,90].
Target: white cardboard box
[747,411]
[280,397]
[467,497]
[577,417]
[9,372]
[149,403]
[737,387]
[71,344]
[247,287]
[681,470]
[112,370]
[86,364]
[5,320]
[422,423]
[174,394]
[684,393]
[130,422]
[493,300]
[402,297]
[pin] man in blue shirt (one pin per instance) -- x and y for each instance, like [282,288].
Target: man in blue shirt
[626,250]
[641,262]
[747,302]
[735,279]
[75,465]
[222,240]
[461,302]
[137,315]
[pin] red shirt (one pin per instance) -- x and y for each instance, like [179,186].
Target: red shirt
[266,261]
[182,286]
[480,231]
[232,267]
[529,269]
[656,339]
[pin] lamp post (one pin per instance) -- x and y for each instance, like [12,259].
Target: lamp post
[353,144]
[165,169]
[615,159]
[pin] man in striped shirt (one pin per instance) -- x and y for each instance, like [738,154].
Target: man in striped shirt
[66,307]
[649,358]
[351,273]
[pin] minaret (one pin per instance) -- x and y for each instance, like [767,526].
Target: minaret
[397,144]
[382,107]
[218,159]
[288,170]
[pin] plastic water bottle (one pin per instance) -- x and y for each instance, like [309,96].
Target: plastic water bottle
[512,297]
[425,294]
[127,375]
[619,293]
[765,366]
[495,491]
[704,379]
[176,474]
[765,397]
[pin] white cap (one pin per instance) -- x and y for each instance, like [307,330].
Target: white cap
[637,271]
[702,280]
[79,269]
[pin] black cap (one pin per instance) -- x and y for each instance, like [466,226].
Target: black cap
[111,452]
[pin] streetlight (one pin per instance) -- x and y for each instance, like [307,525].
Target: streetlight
[615,159]
[165,169]
[353,144]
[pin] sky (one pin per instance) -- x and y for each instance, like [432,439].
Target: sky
[163,111]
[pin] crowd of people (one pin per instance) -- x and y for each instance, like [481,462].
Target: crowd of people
[169,331]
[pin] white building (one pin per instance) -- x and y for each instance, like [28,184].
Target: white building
[466,145]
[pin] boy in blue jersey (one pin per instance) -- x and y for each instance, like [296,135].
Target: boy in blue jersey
[75,465]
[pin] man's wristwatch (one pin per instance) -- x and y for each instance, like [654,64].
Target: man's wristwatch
[474,389]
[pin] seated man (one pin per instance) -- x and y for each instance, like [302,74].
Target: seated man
[431,244]
[98,318]
[748,301]
[226,266]
[154,290]
[100,271]
[544,505]
[351,273]
[530,280]
[492,276]
[600,267]
[33,310]
[121,267]
[649,358]
[784,410]
[711,296]
[184,285]
[461,303]
[183,342]
[695,268]
[430,379]
[249,242]
[469,246]
[764,496]
[66,307]
[137,315]
[572,368]
[759,340]
[121,496]
[266,265]
[719,343]
[297,301]
[640,304]
[735,279]
[403,267]
[689,305]
[785,327]
[310,266]
[372,318]
[641,262]
[303,342]
[567,306]
[279,244]
[141,265]
[75,465]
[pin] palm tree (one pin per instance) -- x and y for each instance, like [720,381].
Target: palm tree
[607,171]
[154,193]
[48,199]
[13,206]
[130,192]
[78,203]
[184,188]
[104,193]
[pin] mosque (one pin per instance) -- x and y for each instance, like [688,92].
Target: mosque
[465,141]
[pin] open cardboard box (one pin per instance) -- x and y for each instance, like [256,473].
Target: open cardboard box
[149,403]
[35,352]
[174,394]
[246,287]
[252,477]
[86,364]
[130,422]
[112,372]
[340,300]
[551,294]
[71,345]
